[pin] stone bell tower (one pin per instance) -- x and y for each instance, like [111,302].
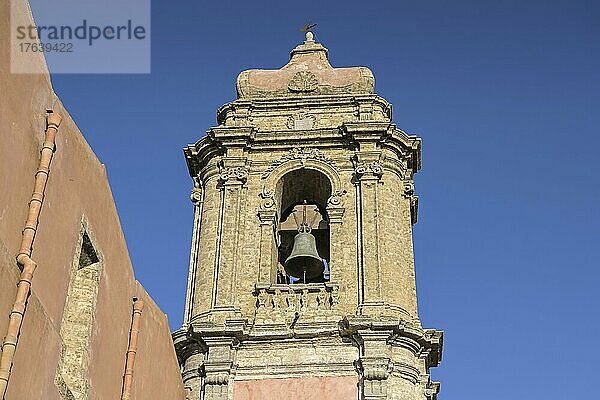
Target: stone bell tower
[306,146]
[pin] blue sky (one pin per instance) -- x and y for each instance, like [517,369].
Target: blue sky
[504,94]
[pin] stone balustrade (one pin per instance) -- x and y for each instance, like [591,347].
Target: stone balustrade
[302,298]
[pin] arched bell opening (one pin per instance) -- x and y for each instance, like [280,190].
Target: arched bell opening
[303,230]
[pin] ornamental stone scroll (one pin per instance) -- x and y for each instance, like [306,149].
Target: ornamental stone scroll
[267,211]
[371,169]
[239,174]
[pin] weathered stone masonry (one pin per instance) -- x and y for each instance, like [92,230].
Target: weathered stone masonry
[77,321]
[246,335]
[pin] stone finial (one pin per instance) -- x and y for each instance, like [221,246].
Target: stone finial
[310,37]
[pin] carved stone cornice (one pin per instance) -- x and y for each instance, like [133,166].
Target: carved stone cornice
[187,343]
[407,371]
[426,344]
[396,166]
[218,142]
[238,136]
[298,153]
[431,351]
[201,155]
[372,135]
[329,111]
[365,132]
[407,147]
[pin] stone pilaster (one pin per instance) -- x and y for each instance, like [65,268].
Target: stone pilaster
[191,352]
[336,210]
[374,365]
[197,199]
[367,175]
[395,357]
[231,180]
[219,368]
[267,215]
[191,375]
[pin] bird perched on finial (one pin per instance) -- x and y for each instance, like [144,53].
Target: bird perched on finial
[309,35]
[307,27]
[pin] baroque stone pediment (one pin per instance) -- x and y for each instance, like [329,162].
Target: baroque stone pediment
[307,73]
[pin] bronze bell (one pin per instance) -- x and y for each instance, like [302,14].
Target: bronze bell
[304,261]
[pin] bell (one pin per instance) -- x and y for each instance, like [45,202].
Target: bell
[304,261]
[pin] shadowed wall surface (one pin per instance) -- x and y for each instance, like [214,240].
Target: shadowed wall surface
[77,198]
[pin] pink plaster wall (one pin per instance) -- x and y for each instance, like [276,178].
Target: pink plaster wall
[326,388]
